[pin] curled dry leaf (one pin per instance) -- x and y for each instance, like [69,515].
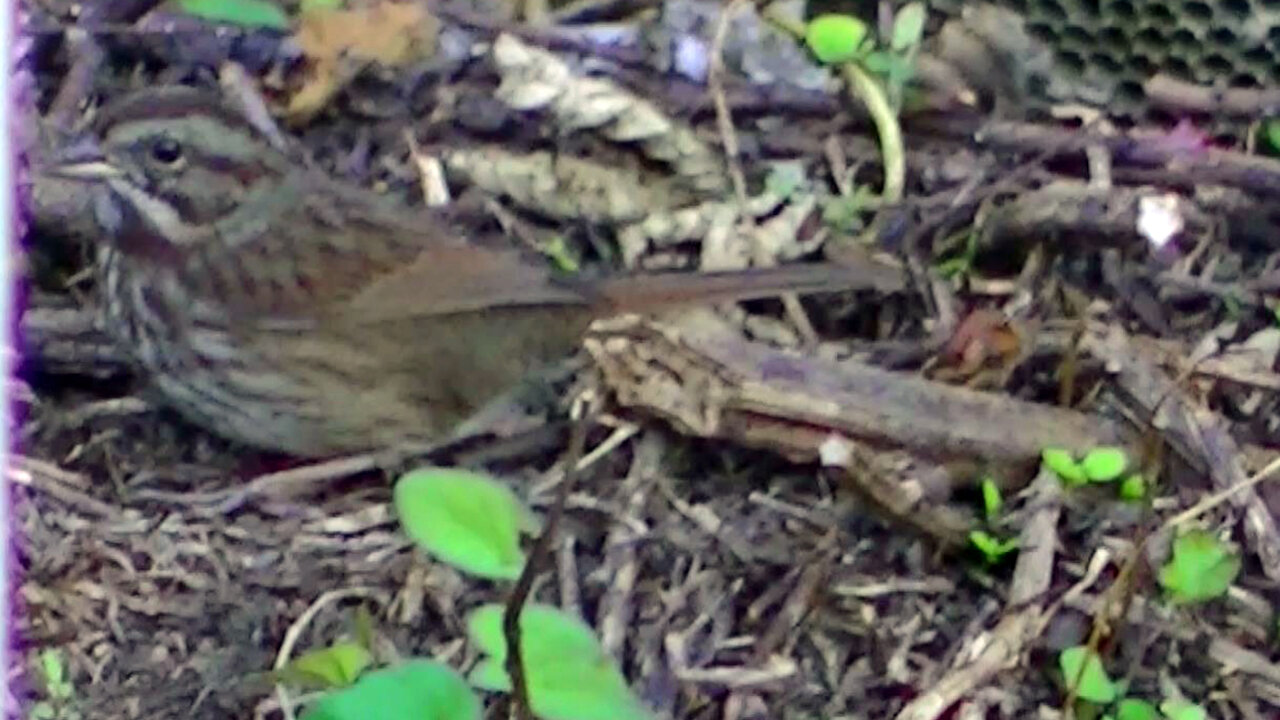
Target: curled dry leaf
[337,43]
[564,187]
[534,79]
[983,338]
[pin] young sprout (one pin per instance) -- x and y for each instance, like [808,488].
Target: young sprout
[338,665]
[1135,709]
[568,674]
[835,39]
[1182,710]
[992,501]
[417,690]
[1082,669]
[1104,464]
[246,13]
[1133,487]
[466,519]
[1061,462]
[1202,568]
[992,547]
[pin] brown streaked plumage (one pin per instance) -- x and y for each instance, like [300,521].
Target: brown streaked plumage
[283,309]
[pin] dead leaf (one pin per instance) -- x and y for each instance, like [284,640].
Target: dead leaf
[982,338]
[337,43]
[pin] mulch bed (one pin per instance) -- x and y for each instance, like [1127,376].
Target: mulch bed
[734,575]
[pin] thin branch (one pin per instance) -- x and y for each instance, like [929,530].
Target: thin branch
[539,557]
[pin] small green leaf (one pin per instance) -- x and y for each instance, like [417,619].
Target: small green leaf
[991,547]
[992,501]
[51,666]
[1183,710]
[1133,487]
[900,70]
[336,666]
[1105,464]
[908,27]
[469,520]
[1202,568]
[1271,131]
[569,675]
[55,675]
[562,254]
[248,13]
[844,213]
[784,179]
[1060,461]
[1078,664]
[563,631]
[835,38]
[414,690]
[879,61]
[1134,709]
[307,6]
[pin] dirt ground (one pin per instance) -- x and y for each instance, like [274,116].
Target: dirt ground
[732,572]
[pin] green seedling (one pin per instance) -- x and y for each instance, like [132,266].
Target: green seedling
[1202,568]
[897,63]
[1104,464]
[961,263]
[992,547]
[1061,462]
[844,214]
[58,689]
[835,39]
[466,519]
[245,13]
[307,6]
[908,28]
[414,690]
[992,500]
[1082,669]
[1182,710]
[1100,465]
[844,40]
[55,675]
[562,254]
[784,179]
[567,674]
[1133,487]
[336,666]
[1271,133]
[1134,709]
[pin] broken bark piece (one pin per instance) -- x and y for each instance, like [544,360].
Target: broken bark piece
[713,385]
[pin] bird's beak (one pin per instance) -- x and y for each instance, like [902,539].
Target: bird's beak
[82,161]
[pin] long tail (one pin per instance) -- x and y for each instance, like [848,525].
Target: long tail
[639,292]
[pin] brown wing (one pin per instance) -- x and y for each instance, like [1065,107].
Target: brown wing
[343,254]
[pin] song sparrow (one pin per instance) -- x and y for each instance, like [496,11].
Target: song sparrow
[281,308]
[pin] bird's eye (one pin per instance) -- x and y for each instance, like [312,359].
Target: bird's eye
[166,151]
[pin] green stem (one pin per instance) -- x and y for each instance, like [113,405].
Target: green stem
[874,98]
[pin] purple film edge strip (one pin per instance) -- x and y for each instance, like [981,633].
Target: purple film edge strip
[17,86]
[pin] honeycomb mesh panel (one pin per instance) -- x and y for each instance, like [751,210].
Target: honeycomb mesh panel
[1106,49]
